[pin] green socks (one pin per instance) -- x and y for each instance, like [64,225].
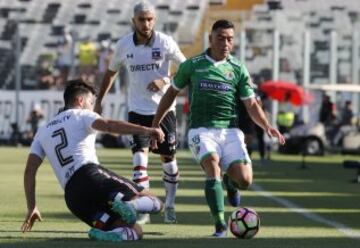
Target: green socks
[215,199]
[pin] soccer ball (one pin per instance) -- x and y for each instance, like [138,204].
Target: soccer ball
[244,223]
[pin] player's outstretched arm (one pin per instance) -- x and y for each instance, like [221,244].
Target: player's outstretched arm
[164,105]
[259,117]
[157,84]
[33,214]
[124,127]
[104,89]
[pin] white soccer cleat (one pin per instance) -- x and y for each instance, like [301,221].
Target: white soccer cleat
[143,219]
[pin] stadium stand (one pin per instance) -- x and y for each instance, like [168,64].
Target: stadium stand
[42,22]
[291,18]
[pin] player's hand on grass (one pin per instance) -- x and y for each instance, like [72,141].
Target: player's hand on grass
[30,219]
[272,132]
[156,85]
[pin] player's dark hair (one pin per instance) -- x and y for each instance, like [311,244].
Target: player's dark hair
[222,24]
[75,88]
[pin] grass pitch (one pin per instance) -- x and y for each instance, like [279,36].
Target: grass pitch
[314,207]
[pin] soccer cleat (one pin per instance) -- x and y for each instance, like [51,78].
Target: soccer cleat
[233,194]
[126,212]
[233,198]
[143,219]
[170,215]
[99,235]
[220,231]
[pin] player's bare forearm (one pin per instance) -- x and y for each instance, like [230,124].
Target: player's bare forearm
[164,105]
[259,117]
[124,127]
[105,87]
[118,127]
[32,165]
[106,84]
[256,113]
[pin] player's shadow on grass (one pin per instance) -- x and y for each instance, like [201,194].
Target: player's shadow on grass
[208,242]
[43,231]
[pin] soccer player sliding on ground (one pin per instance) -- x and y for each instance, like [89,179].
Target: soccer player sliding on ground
[102,199]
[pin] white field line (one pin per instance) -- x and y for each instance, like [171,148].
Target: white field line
[308,214]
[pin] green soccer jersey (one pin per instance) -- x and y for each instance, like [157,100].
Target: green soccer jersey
[214,89]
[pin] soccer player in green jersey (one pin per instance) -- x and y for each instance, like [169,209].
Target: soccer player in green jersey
[216,80]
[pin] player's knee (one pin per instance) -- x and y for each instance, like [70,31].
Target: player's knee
[170,172]
[136,149]
[167,158]
[211,167]
[154,203]
[138,230]
[245,182]
[158,205]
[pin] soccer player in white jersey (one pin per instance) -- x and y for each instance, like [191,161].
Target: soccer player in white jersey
[146,55]
[102,199]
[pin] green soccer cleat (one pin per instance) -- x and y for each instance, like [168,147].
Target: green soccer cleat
[126,212]
[99,235]
[170,215]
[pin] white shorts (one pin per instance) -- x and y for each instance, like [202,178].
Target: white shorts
[228,144]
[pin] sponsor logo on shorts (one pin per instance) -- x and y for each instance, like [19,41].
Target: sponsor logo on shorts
[171,138]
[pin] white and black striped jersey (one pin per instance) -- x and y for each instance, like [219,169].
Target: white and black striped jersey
[143,64]
[68,141]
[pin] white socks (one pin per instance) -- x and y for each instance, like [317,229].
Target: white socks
[127,233]
[146,204]
[170,178]
[140,163]
[142,204]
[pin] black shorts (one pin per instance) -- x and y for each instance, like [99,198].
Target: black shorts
[168,125]
[89,190]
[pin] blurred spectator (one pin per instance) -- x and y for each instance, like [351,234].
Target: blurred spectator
[64,56]
[263,140]
[246,125]
[36,115]
[345,124]
[286,116]
[105,53]
[327,111]
[250,129]
[285,121]
[328,116]
[15,137]
[346,114]
[87,60]
[46,78]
